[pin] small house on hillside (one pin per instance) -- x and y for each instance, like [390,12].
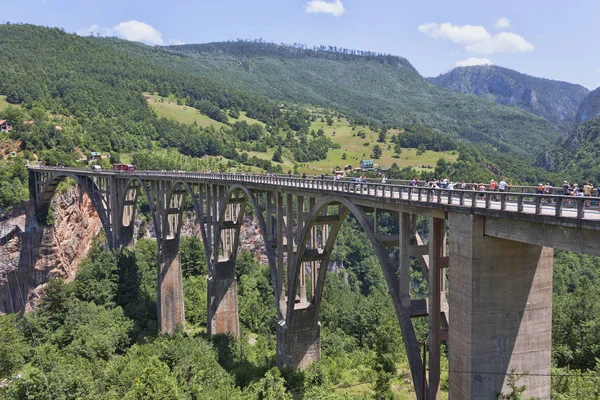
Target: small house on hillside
[95,155]
[348,167]
[5,125]
[147,97]
[366,164]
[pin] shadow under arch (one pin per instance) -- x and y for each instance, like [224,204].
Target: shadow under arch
[90,188]
[382,253]
[127,210]
[201,218]
[250,198]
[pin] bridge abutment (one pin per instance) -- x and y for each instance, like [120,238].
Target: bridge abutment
[501,312]
[170,303]
[222,300]
[299,343]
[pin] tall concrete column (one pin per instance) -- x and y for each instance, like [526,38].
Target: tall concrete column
[299,343]
[170,287]
[126,239]
[222,300]
[501,308]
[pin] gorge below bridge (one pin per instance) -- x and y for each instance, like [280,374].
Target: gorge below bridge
[487,262]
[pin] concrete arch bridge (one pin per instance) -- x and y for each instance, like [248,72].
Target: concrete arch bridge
[496,248]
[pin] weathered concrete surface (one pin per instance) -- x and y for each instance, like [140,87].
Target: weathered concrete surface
[581,241]
[299,343]
[501,308]
[223,314]
[170,288]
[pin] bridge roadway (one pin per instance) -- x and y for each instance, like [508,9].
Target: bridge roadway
[497,258]
[522,201]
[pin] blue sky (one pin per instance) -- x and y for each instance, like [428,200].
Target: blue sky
[552,39]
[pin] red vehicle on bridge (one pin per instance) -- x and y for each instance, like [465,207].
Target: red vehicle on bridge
[125,168]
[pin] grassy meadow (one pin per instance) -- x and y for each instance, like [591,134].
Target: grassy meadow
[340,132]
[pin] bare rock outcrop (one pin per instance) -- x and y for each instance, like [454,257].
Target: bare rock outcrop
[30,254]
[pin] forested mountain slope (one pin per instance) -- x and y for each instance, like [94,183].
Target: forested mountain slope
[554,100]
[589,107]
[576,157]
[384,88]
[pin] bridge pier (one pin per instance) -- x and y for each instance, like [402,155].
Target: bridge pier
[223,314]
[170,303]
[299,343]
[501,310]
[126,238]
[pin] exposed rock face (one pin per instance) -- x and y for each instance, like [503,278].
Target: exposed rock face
[31,253]
[554,100]
[589,107]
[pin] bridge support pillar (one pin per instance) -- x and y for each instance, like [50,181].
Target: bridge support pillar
[171,312]
[126,239]
[223,314]
[501,311]
[299,343]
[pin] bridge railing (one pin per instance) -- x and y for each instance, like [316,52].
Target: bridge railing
[516,201]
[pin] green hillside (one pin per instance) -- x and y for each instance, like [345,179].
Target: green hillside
[554,100]
[384,88]
[576,157]
[86,94]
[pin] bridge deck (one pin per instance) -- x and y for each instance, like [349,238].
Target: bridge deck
[583,212]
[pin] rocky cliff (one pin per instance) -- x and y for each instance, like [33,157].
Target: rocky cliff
[554,100]
[589,107]
[30,254]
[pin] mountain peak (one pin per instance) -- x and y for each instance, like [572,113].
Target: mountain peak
[556,101]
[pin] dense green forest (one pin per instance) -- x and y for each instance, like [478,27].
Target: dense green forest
[74,95]
[576,157]
[96,337]
[369,87]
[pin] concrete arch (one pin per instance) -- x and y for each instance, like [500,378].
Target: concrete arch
[249,196]
[402,313]
[125,231]
[200,216]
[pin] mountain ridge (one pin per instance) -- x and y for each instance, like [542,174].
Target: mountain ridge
[390,91]
[557,101]
[589,108]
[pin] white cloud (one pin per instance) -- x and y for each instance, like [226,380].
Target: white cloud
[458,34]
[469,62]
[129,30]
[504,42]
[335,7]
[174,42]
[502,23]
[138,32]
[477,39]
[87,31]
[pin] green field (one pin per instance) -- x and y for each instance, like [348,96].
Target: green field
[356,151]
[4,103]
[340,132]
[167,107]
